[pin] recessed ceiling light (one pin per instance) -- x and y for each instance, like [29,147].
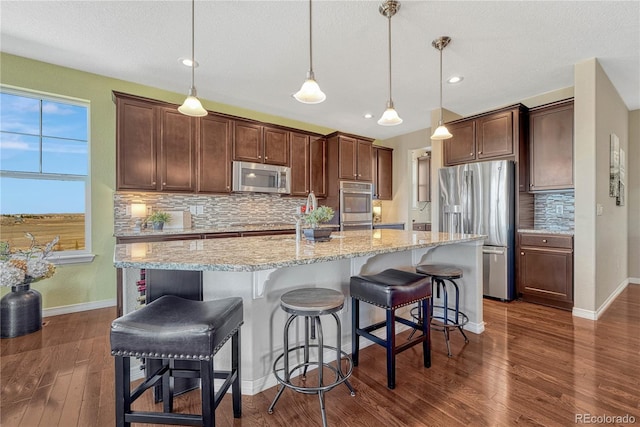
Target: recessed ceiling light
[455,79]
[368,115]
[187,62]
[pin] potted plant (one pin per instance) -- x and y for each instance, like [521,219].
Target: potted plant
[158,219]
[313,219]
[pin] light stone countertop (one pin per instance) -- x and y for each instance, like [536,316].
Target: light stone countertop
[269,252]
[240,228]
[542,231]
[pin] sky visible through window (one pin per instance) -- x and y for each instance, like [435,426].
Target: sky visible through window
[46,143]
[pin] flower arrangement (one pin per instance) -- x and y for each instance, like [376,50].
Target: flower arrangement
[28,265]
[319,215]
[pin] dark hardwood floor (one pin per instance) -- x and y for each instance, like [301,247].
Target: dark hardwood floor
[533,366]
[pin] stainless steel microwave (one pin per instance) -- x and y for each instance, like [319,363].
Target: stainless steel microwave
[261,178]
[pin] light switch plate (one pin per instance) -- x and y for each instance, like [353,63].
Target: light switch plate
[192,209]
[199,210]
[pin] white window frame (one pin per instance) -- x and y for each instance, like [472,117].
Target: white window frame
[67,256]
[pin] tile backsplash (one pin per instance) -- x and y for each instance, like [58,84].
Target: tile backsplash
[554,211]
[218,210]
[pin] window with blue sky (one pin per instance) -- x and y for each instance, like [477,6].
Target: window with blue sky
[44,168]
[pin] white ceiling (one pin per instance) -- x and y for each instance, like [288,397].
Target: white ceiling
[254,54]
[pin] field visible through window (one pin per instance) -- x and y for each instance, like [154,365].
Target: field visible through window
[44,227]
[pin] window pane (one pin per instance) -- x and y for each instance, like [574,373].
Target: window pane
[64,156]
[19,114]
[45,209]
[19,153]
[64,120]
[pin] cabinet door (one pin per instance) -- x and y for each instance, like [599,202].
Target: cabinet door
[300,162]
[136,145]
[494,135]
[424,179]
[364,157]
[347,167]
[177,151]
[551,149]
[461,148]
[546,273]
[276,146]
[383,165]
[214,155]
[247,142]
[318,167]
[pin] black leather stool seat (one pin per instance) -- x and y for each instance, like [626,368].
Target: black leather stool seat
[390,290]
[176,328]
[181,337]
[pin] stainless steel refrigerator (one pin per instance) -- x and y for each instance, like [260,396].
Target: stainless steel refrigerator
[478,198]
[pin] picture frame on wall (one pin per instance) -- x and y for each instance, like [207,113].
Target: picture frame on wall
[614,166]
[622,179]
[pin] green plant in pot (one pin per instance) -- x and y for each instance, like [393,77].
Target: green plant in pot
[313,219]
[158,219]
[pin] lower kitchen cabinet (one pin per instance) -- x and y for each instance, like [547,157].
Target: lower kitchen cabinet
[545,269]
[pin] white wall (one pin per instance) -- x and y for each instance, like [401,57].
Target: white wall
[633,196]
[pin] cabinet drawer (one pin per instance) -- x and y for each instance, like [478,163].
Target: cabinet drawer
[546,240]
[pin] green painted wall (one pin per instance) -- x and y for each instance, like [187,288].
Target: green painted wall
[83,283]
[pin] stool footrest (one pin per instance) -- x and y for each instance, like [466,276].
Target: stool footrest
[163,418]
[148,383]
[366,333]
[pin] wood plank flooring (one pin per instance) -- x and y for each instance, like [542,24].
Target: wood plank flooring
[533,366]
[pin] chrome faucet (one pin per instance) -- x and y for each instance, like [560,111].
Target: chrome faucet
[312,202]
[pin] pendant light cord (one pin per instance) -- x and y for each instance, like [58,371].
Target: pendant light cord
[310,41]
[390,98]
[193,57]
[440,49]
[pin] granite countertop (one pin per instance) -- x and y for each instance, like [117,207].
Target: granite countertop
[233,228]
[268,252]
[544,231]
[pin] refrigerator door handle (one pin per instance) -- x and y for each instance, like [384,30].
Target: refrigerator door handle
[493,251]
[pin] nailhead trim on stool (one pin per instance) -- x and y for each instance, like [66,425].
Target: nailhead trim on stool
[172,329]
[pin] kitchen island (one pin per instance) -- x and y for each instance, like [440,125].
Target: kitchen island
[261,269]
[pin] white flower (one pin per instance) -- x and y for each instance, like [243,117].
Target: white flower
[10,275]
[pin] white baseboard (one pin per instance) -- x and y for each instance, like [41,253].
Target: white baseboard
[634,280]
[74,308]
[595,315]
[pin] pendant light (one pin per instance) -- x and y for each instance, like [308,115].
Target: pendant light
[192,106]
[310,92]
[390,116]
[441,131]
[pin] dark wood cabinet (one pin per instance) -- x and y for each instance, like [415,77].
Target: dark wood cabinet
[308,164]
[214,155]
[487,136]
[551,146]
[421,226]
[136,126]
[382,173]
[354,156]
[254,142]
[545,269]
[424,179]
[318,166]
[177,146]
[155,147]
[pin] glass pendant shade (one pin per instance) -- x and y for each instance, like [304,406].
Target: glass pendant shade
[441,132]
[390,117]
[310,92]
[192,106]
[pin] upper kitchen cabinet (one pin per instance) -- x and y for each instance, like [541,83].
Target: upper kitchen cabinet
[155,146]
[382,173]
[551,146]
[353,155]
[214,155]
[488,136]
[308,164]
[254,142]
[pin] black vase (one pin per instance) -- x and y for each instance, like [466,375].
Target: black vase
[317,234]
[20,311]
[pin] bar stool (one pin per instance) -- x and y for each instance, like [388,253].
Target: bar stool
[391,290]
[311,303]
[451,317]
[172,329]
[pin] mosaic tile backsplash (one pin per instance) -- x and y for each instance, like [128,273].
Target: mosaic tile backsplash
[219,211]
[554,211]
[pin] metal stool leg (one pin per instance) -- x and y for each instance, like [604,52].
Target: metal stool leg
[457,291]
[339,353]
[286,363]
[306,347]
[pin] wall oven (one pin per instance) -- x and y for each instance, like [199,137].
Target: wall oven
[261,178]
[356,205]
